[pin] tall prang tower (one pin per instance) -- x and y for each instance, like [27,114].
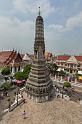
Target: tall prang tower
[39,85]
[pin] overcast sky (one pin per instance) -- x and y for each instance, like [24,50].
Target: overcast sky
[62,23]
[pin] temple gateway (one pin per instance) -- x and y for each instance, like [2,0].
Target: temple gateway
[39,85]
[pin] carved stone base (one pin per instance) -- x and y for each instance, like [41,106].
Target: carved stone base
[39,99]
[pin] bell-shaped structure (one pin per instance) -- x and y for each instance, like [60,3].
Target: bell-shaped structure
[39,85]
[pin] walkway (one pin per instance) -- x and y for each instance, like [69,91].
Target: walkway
[57,111]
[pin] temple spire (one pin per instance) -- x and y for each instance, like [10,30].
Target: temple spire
[39,44]
[39,85]
[39,11]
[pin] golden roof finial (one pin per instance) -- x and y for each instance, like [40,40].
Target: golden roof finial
[39,10]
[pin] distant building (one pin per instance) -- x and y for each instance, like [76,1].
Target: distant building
[48,56]
[11,59]
[70,63]
[27,59]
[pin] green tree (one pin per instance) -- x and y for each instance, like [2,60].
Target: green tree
[19,76]
[52,67]
[23,75]
[67,84]
[62,73]
[27,69]
[76,75]
[5,71]
[6,86]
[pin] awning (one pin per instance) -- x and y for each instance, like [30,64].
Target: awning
[20,81]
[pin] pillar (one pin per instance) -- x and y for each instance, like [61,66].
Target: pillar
[13,71]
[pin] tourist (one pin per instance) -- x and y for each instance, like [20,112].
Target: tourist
[24,114]
[62,95]
[6,93]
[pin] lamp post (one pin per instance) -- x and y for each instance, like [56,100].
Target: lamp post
[17,95]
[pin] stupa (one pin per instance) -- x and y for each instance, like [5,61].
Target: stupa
[39,85]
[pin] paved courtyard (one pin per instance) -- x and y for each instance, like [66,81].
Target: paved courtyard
[57,111]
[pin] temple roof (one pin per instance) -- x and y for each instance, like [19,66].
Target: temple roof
[4,55]
[26,57]
[72,59]
[7,57]
[63,57]
[68,58]
[79,58]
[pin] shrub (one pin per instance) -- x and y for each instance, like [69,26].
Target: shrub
[27,69]
[5,71]
[6,86]
[62,73]
[67,84]
[19,76]
[23,75]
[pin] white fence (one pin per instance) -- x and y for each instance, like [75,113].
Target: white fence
[13,106]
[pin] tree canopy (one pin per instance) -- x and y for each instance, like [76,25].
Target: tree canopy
[62,73]
[27,69]
[52,67]
[6,86]
[19,76]
[67,84]
[5,71]
[23,75]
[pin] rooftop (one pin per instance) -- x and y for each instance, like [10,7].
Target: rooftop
[66,57]
[7,56]
[63,57]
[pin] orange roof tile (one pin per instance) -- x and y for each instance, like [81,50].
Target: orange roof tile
[62,57]
[79,58]
[4,56]
[7,56]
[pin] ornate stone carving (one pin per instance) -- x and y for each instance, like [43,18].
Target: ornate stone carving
[39,85]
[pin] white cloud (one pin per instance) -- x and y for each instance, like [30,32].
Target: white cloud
[20,5]
[31,6]
[8,23]
[71,23]
[64,38]
[75,21]
[56,28]
[16,34]
[20,34]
